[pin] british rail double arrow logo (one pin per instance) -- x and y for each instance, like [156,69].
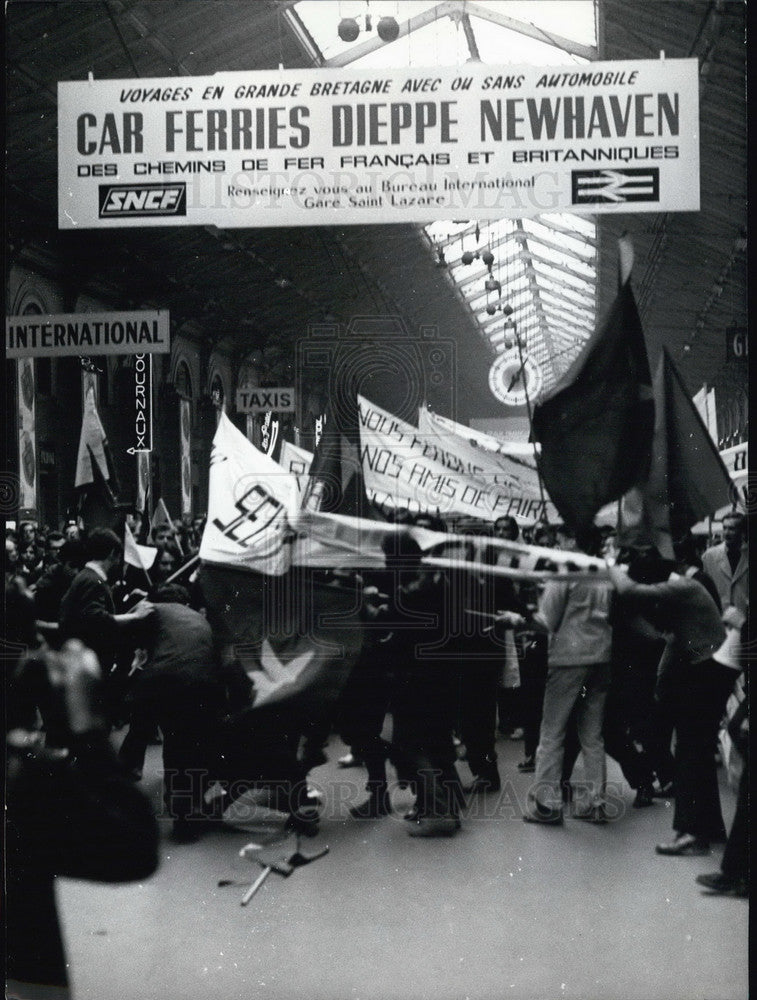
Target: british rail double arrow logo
[610,185]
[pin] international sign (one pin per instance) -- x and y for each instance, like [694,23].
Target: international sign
[335,146]
[264,400]
[88,334]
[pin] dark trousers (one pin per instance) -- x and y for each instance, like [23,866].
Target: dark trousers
[189,765]
[257,748]
[700,704]
[362,709]
[735,863]
[478,711]
[140,734]
[423,751]
[533,680]
[663,723]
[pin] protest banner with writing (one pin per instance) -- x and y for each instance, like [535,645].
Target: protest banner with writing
[404,468]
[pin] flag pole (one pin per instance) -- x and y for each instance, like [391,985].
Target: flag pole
[530,416]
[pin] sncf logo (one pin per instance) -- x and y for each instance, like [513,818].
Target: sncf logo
[118,200]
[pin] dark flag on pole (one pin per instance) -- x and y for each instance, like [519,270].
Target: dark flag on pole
[336,480]
[98,505]
[688,480]
[595,426]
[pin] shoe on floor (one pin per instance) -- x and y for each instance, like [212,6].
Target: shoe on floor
[685,845]
[595,815]
[484,784]
[446,826]
[644,797]
[349,760]
[517,733]
[527,766]
[538,813]
[724,885]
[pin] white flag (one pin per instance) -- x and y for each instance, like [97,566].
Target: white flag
[251,504]
[92,439]
[140,556]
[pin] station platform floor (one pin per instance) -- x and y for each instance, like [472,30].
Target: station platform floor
[503,909]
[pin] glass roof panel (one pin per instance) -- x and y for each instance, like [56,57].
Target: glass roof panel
[546,267]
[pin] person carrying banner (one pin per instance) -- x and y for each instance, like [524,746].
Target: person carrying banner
[366,697]
[576,616]
[681,607]
[424,694]
[485,605]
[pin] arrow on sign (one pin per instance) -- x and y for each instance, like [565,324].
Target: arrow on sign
[616,185]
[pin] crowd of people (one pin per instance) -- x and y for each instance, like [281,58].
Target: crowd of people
[638,664]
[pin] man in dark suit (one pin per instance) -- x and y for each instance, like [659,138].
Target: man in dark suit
[181,687]
[57,578]
[87,611]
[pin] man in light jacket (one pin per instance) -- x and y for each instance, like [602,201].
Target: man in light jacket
[576,616]
[728,563]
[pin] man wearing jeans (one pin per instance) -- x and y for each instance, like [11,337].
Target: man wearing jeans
[576,616]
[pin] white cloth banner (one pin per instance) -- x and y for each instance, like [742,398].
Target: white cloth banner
[297,461]
[332,540]
[433,423]
[251,503]
[254,523]
[403,467]
[512,465]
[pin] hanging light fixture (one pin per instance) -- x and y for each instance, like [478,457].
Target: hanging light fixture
[348,29]
[388,29]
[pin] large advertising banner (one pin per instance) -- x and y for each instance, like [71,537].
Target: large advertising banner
[331,146]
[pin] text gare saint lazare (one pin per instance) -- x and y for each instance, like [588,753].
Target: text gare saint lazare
[424,120]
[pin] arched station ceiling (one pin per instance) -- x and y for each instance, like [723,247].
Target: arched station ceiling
[264,287]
